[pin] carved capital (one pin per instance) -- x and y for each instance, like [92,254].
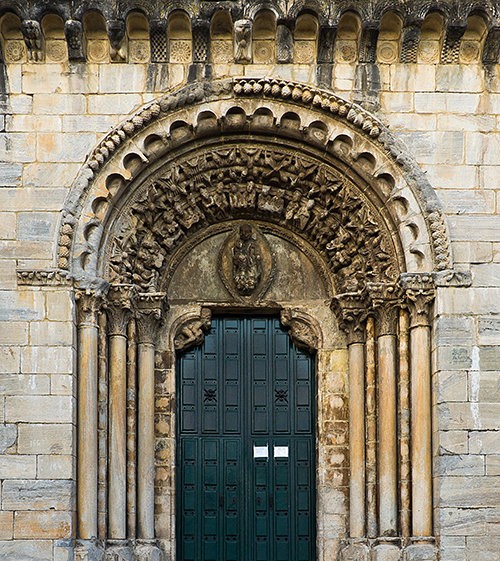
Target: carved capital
[301,329]
[149,308]
[419,291]
[119,307]
[88,305]
[352,310]
[387,301]
[191,332]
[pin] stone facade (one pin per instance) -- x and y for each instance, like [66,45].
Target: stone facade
[360,141]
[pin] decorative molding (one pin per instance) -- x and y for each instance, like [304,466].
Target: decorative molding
[191,332]
[452,277]
[303,330]
[44,277]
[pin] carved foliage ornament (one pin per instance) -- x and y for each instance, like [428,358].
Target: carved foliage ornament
[253,181]
[246,263]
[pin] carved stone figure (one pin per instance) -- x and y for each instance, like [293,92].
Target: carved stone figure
[247,269]
[33,39]
[243,41]
[192,332]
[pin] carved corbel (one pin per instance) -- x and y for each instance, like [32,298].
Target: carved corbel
[419,292]
[387,301]
[368,44]
[191,332]
[149,309]
[284,42]
[302,329]
[116,35]
[119,307]
[450,50]
[243,41]
[33,38]
[201,41]
[409,41]
[73,30]
[352,309]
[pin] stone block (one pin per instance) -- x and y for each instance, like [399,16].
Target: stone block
[454,358]
[56,467]
[48,175]
[461,521]
[420,552]
[8,436]
[14,333]
[435,147]
[10,360]
[45,439]
[459,78]
[37,495]
[454,330]
[470,228]
[459,465]
[386,552]
[430,102]
[82,78]
[38,226]
[59,306]
[468,492]
[413,77]
[24,384]
[17,147]
[39,409]
[452,442]
[119,78]
[460,201]
[450,386]
[482,148]
[26,550]
[493,465]
[484,442]
[62,384]
[59,104]
[411,122]
[464,103]
[471,416]
[451,177]
[470,122]
[8,278]
[396,102]
[47,360]
[472,252]
[113,104]
[355,552]
[483,548]
[15,466]
[36,199]
[7,225]
[489,359]
[51,333]
[88,123]
[23,249]
[47,525]
[34,123]
[6,526]
[21,104]
[53,147]
[10,174]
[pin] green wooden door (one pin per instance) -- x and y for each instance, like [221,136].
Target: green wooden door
[245,446]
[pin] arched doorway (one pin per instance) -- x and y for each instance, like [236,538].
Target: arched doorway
[350,241]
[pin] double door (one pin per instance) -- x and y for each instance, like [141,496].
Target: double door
[245,446]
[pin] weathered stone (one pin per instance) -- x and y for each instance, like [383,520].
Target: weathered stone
[421,552]
[10,174]
[36,225]
[466,492]
[13,466]
[55,467]
[6,526]
[459,465]
[37,495]
[45,439]
[26,550]
[39,409]
[46,525]
[484,442]
[386,552]
[8,436]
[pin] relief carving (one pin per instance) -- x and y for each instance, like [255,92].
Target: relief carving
[302,330]
[191,332]
[243,41]
[33,38]
[246,262]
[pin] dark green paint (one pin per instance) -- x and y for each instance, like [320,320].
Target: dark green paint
[246,386]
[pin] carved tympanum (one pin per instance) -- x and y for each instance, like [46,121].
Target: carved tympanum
[246,262]
[191,332]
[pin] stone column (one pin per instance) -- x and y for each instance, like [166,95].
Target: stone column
[387,313]
[420,294]
[353,315]
[88,333]
[118,314]
[148,309]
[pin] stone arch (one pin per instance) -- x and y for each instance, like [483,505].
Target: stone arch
[305,166]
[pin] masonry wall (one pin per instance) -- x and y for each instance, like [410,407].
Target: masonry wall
[52,116]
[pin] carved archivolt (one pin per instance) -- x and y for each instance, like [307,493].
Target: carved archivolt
[343,183]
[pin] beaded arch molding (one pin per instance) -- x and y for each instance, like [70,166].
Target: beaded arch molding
[318,164]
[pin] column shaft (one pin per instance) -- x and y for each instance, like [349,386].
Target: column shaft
[371,433]
[87,430]
[421,454]
[357,439]
[118,437]
[387,456]
[404,426]
[146,439]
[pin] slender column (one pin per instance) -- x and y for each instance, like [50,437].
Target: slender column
[118,314]
[387,313]
[102,429]
[371,432]
[420,294]
[131,430]
[88,334]
[148,309]
[353,314]
[404,426]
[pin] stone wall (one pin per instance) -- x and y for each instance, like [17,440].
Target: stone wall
[442,101]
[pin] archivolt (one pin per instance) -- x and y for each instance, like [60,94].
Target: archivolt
[278,151]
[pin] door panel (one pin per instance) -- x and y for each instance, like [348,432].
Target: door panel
[245,450]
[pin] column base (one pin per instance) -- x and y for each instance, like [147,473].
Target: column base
[421,549]
[119,550]
[88,550]
[387,550]
[147,550]
[356,550]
